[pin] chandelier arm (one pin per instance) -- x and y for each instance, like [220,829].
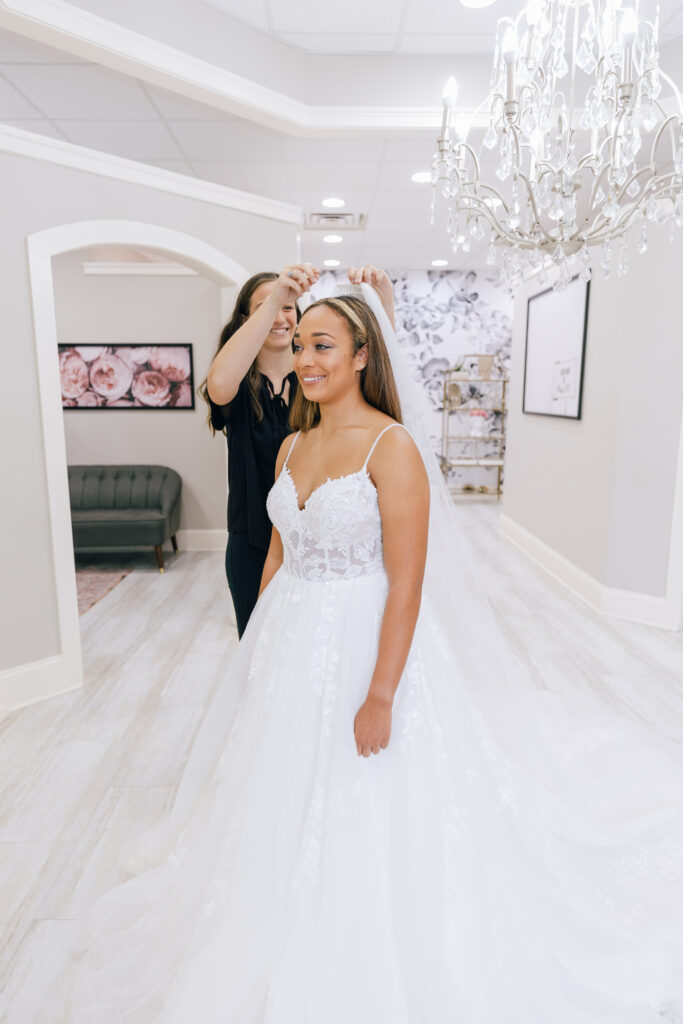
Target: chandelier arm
[668,123]
[494,192]
[615,136]
[532,200]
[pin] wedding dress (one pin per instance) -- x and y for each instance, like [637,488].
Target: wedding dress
[506,860]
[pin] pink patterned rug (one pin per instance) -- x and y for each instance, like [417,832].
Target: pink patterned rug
[93,585]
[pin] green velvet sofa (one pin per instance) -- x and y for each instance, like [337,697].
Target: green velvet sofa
[124,507]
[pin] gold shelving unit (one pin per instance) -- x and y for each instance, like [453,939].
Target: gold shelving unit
[478,451]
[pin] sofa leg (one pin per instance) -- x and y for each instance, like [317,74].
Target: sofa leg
[174,542]
[160,557]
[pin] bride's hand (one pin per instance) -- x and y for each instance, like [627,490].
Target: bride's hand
[372,726]
[379,280]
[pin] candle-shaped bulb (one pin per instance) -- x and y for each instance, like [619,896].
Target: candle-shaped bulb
[508,47]
[448,97]
[450,93]
[628,27]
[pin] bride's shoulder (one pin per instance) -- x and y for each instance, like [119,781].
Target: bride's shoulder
[284,451]
[395,453]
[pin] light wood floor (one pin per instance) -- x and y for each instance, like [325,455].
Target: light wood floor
[79,772]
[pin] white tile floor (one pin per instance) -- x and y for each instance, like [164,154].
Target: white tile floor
[79,772]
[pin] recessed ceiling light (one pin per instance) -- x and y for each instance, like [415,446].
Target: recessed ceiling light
[334,204]
[421,177]
[477,3]
[332,239]
[330,263]
[439,263]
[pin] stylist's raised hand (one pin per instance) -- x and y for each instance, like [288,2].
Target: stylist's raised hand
[294,281]
[377,279]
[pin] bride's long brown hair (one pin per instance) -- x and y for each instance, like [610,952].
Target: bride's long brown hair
[377,383]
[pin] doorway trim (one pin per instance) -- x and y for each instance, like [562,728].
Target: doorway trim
[62,672]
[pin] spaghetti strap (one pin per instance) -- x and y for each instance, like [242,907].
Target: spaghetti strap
[291,448]
[374,443]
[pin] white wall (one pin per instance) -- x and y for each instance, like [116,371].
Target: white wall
[599,492]
[41,195]
[111,310]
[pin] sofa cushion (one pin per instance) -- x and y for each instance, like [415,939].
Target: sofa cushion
[118,527]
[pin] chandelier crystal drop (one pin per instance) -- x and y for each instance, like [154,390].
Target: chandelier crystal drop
[584,139]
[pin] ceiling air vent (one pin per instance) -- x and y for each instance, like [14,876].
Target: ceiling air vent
[325,221]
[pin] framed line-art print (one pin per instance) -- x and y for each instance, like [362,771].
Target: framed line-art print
[556,329]
[126,376]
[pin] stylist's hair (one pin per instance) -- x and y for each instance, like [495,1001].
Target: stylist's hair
[239,315]
[377,383]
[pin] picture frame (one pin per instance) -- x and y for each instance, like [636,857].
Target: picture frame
[127,376]
[555,349]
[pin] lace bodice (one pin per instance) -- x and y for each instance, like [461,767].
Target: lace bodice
[338,532]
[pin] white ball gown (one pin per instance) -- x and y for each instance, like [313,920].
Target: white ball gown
[440,882]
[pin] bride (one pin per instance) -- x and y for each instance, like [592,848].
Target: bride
[379,822]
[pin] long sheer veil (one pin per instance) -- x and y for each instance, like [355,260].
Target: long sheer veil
[562,740]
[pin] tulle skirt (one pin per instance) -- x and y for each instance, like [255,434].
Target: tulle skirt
[520,868]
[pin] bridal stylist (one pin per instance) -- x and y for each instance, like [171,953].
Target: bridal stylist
[248,389]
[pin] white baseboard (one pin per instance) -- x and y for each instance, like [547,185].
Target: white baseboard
[202,540]
[622,604]
[37,681]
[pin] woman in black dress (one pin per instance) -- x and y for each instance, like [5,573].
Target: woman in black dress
[248,389]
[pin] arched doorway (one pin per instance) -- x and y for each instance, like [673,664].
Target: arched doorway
[42,247]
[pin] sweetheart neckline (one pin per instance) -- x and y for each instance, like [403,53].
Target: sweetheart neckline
[330,480]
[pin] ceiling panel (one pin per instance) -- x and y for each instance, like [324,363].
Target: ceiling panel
[16,49]
[180,108]
[227,140]
[444,42]
[258,176]
[347,42]
[332,149]
[254,13]
[673,24]
[135,140]
[13,105]
[398,200]
[310,200]
[437,18]
[397,173]
[80,92]
[36,125]
[355,17]
[179,166]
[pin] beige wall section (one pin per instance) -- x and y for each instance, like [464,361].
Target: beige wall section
[45,195]
[599,491]
[110,310]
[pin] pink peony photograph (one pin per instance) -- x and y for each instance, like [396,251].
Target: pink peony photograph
[126,376]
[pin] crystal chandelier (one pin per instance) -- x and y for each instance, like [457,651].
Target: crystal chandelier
[587,143]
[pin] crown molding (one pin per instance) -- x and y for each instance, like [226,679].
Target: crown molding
[72,29]
[40,147]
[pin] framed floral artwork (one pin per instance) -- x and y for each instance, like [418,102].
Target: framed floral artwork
[126,376]
[556,327]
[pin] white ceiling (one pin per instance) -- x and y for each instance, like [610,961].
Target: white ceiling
[45,91]
[391,26]
[51,92]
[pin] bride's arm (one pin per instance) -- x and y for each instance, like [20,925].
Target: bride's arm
[403,492]
[275,553]
[273,560]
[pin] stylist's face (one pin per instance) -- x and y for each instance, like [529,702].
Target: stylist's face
[284,325]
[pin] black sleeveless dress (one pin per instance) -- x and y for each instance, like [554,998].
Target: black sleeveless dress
[252,451]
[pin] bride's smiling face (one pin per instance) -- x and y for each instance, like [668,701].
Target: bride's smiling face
[324,359]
